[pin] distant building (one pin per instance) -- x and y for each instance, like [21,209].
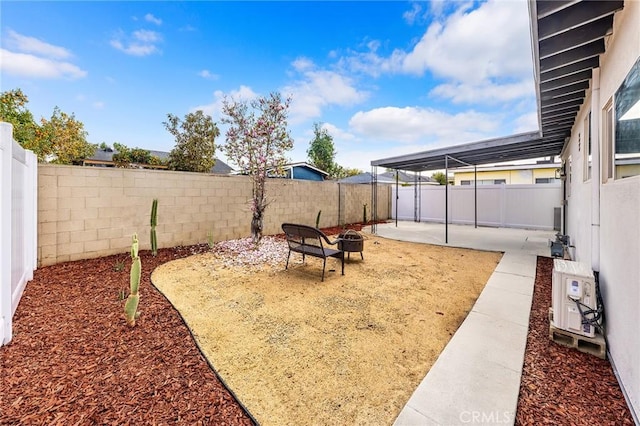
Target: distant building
[301,171]
[404,178]
[103,157]
[513,174]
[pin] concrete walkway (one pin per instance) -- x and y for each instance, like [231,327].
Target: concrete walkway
[476,378]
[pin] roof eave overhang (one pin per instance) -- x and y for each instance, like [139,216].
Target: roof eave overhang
[568,37]
[475,153]
[533,29]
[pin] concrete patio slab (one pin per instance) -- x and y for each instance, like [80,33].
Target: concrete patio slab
[476,378]
[505,305]
[510,282]
[518,263]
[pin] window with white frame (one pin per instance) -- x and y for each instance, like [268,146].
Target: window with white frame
[484,181]
[547,180]
[627,125]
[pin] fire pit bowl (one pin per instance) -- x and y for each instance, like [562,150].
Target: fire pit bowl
[350,242]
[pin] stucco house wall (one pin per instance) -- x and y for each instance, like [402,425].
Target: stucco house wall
[520,176]
[602,213]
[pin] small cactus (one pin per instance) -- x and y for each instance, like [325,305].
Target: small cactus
[318,219]
[131,305]
[364,213]
[210,240]
[154,222]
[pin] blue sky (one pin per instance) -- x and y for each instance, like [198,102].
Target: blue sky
[385,77]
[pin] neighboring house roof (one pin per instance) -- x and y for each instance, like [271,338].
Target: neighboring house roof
[306,166]
[386,177]
[301,171]
[221,168]
[362,178]
[104,157]
[405,177]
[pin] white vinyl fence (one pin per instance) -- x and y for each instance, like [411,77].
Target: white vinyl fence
[18,224]
[508,206]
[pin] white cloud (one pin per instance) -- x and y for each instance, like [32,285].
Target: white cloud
[491,41]
[482,55]
[303,64]
[38,47]
[423,125]
[208,75]
[98,105]
[150,18]
[146,36]
[318,88]
[370,62]
[32,57]
[527,123]
[338,133]
[214,109]
[410,16]
[486,92]
[139,43]
[436,7]
[27,65]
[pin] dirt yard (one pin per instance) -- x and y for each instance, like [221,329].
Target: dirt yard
[349,350]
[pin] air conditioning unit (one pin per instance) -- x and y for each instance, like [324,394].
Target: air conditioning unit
[573,297]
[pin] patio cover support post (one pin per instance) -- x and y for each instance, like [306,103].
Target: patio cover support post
[446,199]
[419,196]
[415,198]
[397,197]
[374,199]
[475,195]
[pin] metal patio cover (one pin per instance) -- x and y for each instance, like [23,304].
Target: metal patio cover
[568,38]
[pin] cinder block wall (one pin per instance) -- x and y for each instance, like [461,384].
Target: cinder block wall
[88,212]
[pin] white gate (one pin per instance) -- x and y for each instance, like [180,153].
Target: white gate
[18,224]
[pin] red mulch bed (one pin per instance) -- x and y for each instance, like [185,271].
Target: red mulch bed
[73,359]
[562,385]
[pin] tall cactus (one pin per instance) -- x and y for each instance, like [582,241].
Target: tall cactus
[154,222]
[131,305]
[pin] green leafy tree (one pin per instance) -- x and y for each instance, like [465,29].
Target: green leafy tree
[140,156]
[156,161]
[62,139]
[13,110]
[127,157]
[195,142]
[256,141]
[122,155]
[321,152]
[340,172]
[439,177]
